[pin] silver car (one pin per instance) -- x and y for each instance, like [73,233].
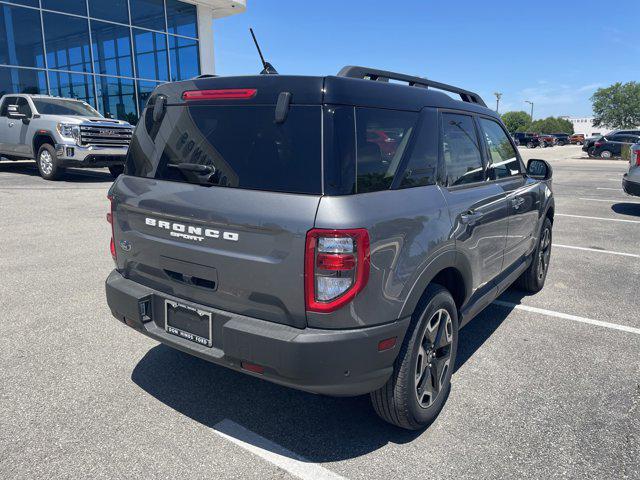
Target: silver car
[631,180]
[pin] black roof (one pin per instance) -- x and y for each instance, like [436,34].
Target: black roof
[338,90]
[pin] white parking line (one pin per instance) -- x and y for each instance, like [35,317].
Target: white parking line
[598,218]
[273,453]
[607,188]
[566,316]
[586,249]
[614,200]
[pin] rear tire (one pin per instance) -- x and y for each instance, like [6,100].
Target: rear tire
[530,145]
[116,170]
[606,154]
[48,163]
[533,278]
[421,379]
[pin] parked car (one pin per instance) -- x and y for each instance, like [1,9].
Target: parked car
[284,245]
[530,140]
[547,140]
[631,179]
[576,139]
[611,146]
[561,138]
[587,146]
[61,132]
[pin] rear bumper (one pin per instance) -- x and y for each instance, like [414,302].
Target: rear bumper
[331,362]
[91,156]
[630,187]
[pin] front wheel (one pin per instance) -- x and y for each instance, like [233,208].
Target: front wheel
[533,278]
[48,163]
[419,386]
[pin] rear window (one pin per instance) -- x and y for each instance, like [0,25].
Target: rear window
[238,146]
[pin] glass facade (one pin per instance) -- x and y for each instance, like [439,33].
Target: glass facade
[109,53]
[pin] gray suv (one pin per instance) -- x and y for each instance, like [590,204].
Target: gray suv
[330,234]
[59,133]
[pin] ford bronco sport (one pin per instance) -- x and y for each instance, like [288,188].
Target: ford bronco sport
[61,132]
[260,225]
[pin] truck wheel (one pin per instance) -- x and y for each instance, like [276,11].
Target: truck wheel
[48,163]
[530,145]
[606,154]
[421,379]
[532,280]
[116,170]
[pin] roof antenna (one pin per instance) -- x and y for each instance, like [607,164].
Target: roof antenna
[268,68]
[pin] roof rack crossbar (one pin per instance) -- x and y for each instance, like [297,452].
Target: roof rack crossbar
[375,74]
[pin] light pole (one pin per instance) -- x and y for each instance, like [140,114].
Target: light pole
[531,103]
[498,97]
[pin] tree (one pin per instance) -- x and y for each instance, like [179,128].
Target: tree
[617,106]
[516,121]
[552,125]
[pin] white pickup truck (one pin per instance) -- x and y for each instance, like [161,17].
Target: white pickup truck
[61,132]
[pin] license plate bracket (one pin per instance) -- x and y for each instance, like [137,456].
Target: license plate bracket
[188,322]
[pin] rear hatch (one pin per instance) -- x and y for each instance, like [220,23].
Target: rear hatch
[217,195]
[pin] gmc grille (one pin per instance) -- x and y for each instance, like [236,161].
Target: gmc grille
[112,136]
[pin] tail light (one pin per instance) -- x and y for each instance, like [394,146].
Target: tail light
[336,267]
[637,152]
[598,144]
[220,94]
[112,245]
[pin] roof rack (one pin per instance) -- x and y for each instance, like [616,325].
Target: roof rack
[367,73]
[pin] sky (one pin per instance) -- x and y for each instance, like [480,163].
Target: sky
[553,53]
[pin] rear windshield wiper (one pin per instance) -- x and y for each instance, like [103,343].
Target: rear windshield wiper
[193,167]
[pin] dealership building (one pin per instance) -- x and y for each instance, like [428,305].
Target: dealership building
[109,53]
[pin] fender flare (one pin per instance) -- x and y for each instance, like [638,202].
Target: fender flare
[447,259]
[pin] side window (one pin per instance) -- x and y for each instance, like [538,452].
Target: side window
[23,107]
[421,166]
[6,101]
[461,150]
[503,160]
[382,137]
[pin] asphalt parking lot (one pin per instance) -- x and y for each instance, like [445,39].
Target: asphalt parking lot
[546,386]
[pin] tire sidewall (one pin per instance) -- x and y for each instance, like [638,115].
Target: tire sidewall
[56,169]
[540,281]
[441,299]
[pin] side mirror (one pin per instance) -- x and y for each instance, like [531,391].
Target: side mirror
[539,169]
[12,112]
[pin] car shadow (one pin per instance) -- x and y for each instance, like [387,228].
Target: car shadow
[626,208]
[319,428]
[71,175]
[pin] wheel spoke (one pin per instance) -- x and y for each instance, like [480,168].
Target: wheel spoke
[439,368]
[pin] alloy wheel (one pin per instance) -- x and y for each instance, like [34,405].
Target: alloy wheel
[46,162]
[544,253]
[434,358]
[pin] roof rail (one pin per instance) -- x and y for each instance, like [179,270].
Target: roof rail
[365,73]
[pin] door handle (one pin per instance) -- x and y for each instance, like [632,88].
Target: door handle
[470,216]
[517,202]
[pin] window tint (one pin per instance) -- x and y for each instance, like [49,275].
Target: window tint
[5,105]
[243,146]
[182,18]
[382,137]
[114,10]
[461,150]
[20,37]
[22,80]
[111,49]
[148,14]
[79,7]
[67,41]
[23,107]
[151,55]
[421,166]
[183,54]
[63,106]
[503,160]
